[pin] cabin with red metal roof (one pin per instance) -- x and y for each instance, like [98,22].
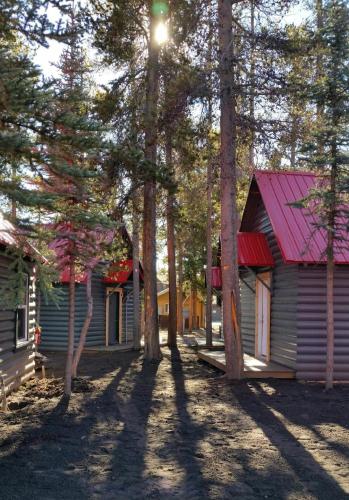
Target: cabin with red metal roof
[112,322]
[283,300]
[17,321]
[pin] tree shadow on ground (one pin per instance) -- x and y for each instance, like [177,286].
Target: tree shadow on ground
[49,455]
[184,443]
[257,404]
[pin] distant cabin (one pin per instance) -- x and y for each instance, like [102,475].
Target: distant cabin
[193,308]
[17,325]
[282,261]
[112,321]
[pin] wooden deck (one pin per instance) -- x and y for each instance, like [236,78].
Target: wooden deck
[253,367]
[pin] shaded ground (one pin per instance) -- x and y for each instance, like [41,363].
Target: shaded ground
[173,430]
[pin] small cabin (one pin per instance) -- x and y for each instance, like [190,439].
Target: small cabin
[112,320]
[193,309]
[17,324]
[283,301]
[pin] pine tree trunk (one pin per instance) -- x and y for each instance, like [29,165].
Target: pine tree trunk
[86,325]
[172,319]
[319,73]
[230,272]
[330,272]
[330,312]
[135,273]
[251,161]
[293,141]
[151,327]
[190,326]
[71,331]
[194,308]
[180,292]
[209,257]
[171,252]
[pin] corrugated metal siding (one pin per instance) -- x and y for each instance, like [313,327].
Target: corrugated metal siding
[248,312]
[54,321]
[16,364]
[311,323]
[283,328]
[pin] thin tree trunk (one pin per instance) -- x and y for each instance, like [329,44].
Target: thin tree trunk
[151,327]
[190,326]
[135,273]
[251,160]
[319,71]
[195,314]
[230,273]
[293,141]
[209,257]
[171,251]
[86,325]
[330,311]
[71,331]
[330,271]
[180,291]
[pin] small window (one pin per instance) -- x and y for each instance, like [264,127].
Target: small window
[22,323]
[166,308]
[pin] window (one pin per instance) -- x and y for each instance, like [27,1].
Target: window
[22,325]
[166,308]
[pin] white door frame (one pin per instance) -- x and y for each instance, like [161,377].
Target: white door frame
[108,292]
[263,300]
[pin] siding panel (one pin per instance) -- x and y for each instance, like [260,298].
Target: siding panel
[311,320]
[54,320]
[16,363]
[248,311]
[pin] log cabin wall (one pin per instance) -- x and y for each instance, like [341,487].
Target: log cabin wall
[16,359]
[54,320]
[311,323]
[283,327]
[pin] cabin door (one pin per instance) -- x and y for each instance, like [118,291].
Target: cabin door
[262,347]
[114,317]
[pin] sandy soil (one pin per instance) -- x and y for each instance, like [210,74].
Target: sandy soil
[176,429]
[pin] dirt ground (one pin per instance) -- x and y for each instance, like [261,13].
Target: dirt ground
[176,429]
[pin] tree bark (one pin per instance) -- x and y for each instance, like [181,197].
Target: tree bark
[135,273]
[71,331]
[190,326]
[330,269]
[180,291]
[171,251]
[209,257]
[86,325]
[195,313]
[251,160]
[330,311]
[229,261]
[151,327]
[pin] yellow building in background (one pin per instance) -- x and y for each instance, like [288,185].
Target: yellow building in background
[193,310]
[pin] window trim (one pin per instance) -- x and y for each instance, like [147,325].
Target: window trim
[23,341]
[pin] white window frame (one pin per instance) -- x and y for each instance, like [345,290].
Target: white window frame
[25,339]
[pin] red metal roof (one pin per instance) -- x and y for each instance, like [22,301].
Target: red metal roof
[120,272]
[294,228]
[253,250]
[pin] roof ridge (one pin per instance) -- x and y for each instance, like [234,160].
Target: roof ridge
[285,172]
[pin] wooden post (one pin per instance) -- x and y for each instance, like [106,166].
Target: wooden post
[3,395]
[191,311]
